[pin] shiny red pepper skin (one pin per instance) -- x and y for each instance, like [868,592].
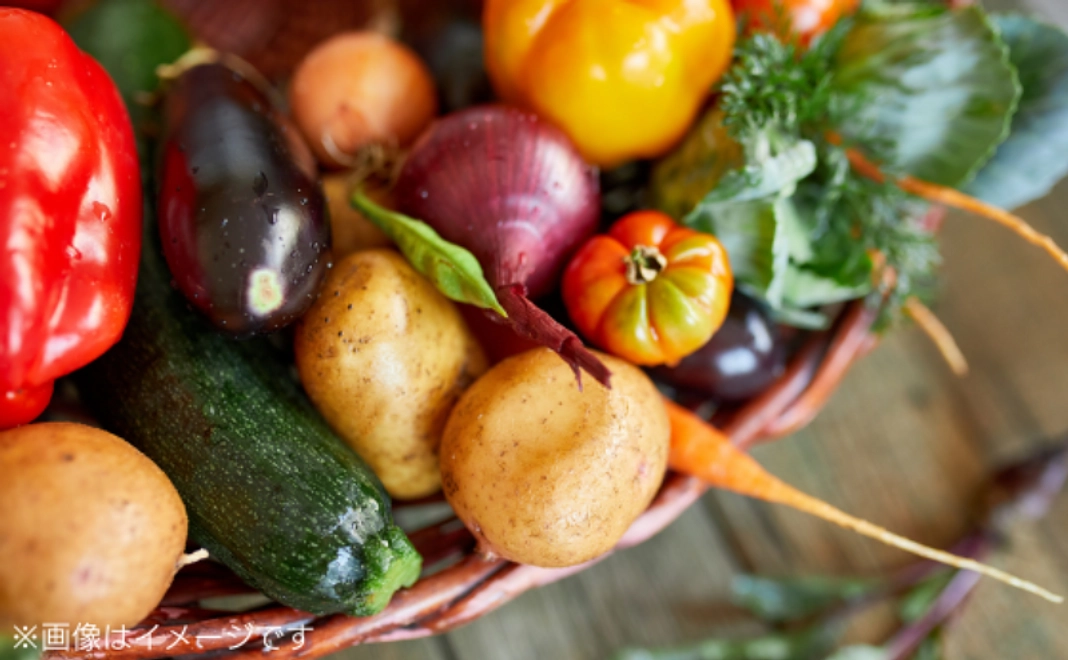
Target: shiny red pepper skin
[70,211]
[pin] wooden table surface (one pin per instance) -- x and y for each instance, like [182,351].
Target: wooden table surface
[903,443]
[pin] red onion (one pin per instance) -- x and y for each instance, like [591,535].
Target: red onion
[510,188]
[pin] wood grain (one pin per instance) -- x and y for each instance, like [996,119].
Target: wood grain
[903,443]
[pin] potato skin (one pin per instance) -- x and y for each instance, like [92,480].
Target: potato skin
[384,356]
[92,529]
[546,475]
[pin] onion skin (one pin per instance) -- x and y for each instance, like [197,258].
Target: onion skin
[512,189]
[359,89]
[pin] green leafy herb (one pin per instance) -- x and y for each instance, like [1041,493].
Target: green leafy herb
[792,599]
[772,87]
[1027,165]
[932,89]
[926,90]
[849,219]
[452,269]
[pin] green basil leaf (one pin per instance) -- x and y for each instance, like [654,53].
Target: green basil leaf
[790,599]
[452,269]
[1035,157]
[931,90]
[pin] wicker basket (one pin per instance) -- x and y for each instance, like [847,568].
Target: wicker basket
[274,34]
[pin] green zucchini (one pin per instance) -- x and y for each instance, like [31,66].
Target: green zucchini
[270,490]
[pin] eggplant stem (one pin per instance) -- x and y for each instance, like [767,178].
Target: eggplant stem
[201,54]
[938,334]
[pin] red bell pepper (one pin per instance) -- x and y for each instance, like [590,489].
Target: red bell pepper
[70,211]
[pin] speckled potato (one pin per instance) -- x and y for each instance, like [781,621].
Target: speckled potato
[90,529]
[547,475]
[384,356]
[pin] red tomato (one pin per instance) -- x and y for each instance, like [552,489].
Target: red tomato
[805,19]
[649,291]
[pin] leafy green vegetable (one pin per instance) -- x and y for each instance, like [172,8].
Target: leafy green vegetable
[851,217]
[1035,157]
[772,170]
[932,89]
[770,86]
[928,89]
[452,269]
[791,599]
[755,240]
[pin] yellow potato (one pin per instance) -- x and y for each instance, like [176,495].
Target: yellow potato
[547,475]
[384,356]
[349,230]
[92,529]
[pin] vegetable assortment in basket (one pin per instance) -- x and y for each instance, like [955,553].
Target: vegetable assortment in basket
[444,292]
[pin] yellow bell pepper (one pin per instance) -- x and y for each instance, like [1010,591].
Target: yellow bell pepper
[624,78]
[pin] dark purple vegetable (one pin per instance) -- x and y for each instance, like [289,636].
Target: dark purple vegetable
[510,188]
[741,360]
[242,219]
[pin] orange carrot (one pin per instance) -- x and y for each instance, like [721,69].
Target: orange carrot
[951,197]
[701,450]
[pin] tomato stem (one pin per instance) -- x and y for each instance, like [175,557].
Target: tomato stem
[644,263]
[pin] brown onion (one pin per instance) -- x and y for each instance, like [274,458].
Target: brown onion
[360,89]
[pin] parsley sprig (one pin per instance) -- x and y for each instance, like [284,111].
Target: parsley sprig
[775,89]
